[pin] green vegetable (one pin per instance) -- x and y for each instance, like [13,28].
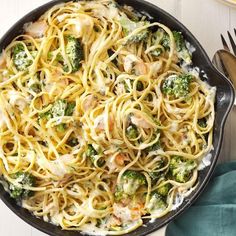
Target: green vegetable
[132,132]
[61,127]
[70,109]
[156,146]
[177,85]
[36,87]
[163,190]
[181,48]
[156,203]
[26,180]
[180,169]
[130,182]
[91,153]
[129,26]
[20,58]
[46,115]
[74,51]
[202,123]
[59,108]
[156,39]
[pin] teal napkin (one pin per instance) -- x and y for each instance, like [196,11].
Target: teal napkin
[214,213]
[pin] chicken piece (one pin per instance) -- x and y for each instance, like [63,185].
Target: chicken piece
[134,65]
[3,60]
[36,29]
[89,102]
[141,122]
[17,100]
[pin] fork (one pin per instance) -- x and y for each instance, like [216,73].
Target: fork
[225,61]
[225,45]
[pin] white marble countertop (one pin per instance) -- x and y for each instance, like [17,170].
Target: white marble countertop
[206,19]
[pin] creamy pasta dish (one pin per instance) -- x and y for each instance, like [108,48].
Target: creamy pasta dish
[104,121]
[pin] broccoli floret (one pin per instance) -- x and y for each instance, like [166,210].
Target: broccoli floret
[129,26]
[70,109]
[74,51]
[202,123]
[91,153]
[61,127]
[25,179]
[163,190]
[130,181]
[181,48]
[156,146]
[20,58]
[132,132]
[36,88]
[156,203]
[180,169]
[60,108]
[177,85]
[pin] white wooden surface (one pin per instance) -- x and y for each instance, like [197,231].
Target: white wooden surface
[206,19]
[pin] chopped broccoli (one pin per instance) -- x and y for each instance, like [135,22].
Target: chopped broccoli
[91,153]
[156,39]
[177,85]
[20,58]
[157,174]
[180,169]
[154,147]
[70,109]
[25,179]
[130,182]
[61,127]
[156,203]
[132,132]
[129,26]
[74,51]
[59,108]
[36,88]
[181,48]
[202,123]
[163,190]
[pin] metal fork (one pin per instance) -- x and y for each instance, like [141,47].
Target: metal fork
[225,45]
[225,61]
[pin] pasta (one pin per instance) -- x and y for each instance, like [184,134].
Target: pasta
[104,121]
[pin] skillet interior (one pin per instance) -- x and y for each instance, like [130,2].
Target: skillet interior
[224,103]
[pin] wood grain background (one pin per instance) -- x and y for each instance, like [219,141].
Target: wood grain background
[206,19]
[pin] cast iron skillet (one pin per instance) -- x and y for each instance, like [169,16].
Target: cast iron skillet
[224,102]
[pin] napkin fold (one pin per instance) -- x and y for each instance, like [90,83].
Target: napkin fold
[214,212]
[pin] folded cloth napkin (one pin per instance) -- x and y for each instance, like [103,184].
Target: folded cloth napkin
[214,213]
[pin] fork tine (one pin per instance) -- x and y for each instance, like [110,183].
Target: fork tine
[233,45]
[224,43]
